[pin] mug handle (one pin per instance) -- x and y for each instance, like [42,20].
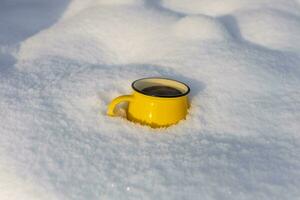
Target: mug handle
[116,101]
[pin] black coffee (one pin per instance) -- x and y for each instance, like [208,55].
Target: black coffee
[161,91]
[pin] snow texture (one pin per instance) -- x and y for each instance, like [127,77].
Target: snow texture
[63,61]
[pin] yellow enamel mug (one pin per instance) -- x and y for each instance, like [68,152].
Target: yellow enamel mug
[154,110]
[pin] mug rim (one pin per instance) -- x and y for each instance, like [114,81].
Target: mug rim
[160,96]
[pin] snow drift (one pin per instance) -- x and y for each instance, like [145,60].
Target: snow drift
[61,62]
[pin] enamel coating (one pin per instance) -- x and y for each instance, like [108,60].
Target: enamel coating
[153,111]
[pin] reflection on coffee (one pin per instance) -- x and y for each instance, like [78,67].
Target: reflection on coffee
[161,91]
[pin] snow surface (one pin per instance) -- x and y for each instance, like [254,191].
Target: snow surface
[63,61]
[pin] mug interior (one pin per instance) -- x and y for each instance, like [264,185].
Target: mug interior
[141,84]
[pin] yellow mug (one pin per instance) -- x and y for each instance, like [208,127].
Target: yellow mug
[157,102]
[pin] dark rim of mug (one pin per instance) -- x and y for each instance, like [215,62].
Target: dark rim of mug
[174,96]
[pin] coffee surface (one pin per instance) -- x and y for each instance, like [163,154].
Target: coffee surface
[161,91]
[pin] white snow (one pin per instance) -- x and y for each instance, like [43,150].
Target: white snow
[200,28]
[63,61]
[271,28]
[227,7]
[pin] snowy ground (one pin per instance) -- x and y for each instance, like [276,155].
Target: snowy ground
[62,61]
